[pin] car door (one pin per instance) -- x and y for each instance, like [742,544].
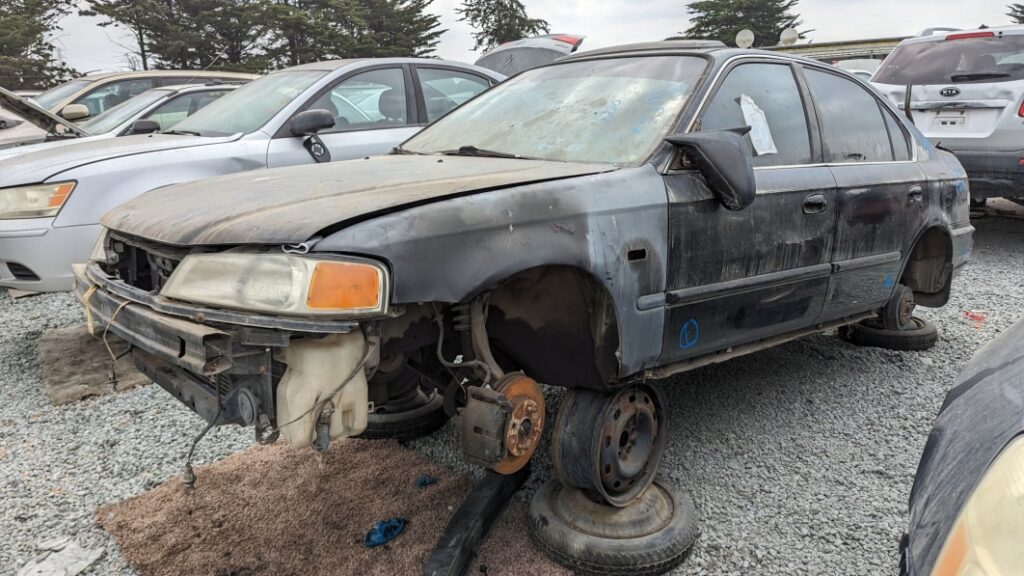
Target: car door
[881,191]
[374,110]
[741,276]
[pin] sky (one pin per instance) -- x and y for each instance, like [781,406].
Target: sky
[87,47]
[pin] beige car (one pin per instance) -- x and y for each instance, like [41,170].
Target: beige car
[96,93]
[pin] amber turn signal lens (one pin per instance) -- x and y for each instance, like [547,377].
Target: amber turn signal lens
[344,286]
[60,194]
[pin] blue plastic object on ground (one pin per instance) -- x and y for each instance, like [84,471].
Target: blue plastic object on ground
[384,531]
[425,480]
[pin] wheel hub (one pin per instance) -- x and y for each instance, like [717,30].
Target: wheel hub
[525,423]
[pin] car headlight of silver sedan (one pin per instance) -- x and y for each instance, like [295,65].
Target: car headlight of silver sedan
[36,201]
[285,284]
[986,538]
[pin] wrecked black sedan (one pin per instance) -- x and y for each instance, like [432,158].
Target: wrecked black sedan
[618,216]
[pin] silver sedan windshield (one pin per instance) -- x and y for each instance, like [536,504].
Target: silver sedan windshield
[612,111]
[123,112]
[248,108]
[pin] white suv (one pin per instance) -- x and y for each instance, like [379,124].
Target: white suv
[967,94]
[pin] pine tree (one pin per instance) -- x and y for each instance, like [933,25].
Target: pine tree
[26,54]
[1016,13]
[399,28]
[722,19]
[223,34]
[313,30]
[499,21]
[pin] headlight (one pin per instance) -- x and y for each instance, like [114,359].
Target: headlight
[37,201]
[986,539]
[280,283]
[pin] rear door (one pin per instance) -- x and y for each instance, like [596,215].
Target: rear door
[374,110]
[881,191]
[740,276]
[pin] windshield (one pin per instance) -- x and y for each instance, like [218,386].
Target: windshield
[248,108]
[612,111]
[54,95]
[997,58]
[123,112]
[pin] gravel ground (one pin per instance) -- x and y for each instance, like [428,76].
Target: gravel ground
[800,459]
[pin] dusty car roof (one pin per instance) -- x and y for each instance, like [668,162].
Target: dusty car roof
[158,73]
[664,45]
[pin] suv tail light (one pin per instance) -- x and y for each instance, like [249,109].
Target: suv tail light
[1020,111]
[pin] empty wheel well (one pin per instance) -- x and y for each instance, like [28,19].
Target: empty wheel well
[929,269]
[556,323]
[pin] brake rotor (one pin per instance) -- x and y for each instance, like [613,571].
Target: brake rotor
[525,423]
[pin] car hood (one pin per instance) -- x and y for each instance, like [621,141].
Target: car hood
[46,161]
[33,114]
[290,205]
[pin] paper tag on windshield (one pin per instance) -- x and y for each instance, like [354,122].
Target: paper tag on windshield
[760,134]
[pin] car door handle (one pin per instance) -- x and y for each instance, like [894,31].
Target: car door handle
[915,194]
[815,204]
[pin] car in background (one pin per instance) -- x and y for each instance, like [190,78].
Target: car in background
[514,57]
[31,124]
[51,199]
[967,503]
[94,94]
[152,111]
[967,95]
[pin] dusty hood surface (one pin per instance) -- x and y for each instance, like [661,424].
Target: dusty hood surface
[37,166]
[289,205]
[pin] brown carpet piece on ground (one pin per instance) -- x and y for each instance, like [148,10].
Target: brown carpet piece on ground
[275,510]
[76,365]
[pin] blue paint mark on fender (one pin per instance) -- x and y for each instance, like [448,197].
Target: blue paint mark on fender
[689,334]
[889,282]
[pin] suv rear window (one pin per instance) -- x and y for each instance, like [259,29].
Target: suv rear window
[996,58]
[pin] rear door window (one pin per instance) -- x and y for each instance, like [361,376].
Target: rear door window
[959,57]
[852,126]
[765,97]
[444,90]
[897,137]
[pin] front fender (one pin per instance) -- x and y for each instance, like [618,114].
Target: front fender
[612,226]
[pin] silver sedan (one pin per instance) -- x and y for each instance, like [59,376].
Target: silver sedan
[51,199]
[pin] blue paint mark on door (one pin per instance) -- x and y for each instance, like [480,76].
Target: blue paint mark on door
[689,334]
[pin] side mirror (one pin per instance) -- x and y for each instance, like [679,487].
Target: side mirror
[145,127]
[75,112]
[311,122]
[725,159]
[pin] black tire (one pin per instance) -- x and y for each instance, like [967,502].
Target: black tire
[922,337]
[606,554]
[416,423]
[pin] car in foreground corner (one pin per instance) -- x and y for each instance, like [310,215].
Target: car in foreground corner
[615,217]
[967,503]
[51,199]
[967,95]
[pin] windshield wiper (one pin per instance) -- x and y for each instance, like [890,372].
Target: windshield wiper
[400,150]
[182,132]
[474,151]
[968,76]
